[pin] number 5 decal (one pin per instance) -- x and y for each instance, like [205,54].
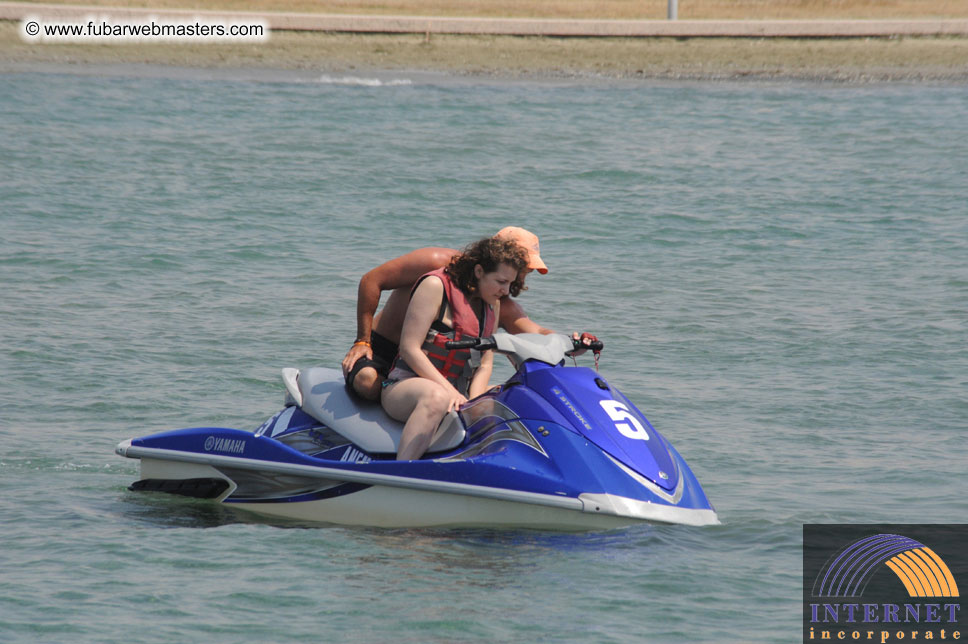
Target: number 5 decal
[627,424]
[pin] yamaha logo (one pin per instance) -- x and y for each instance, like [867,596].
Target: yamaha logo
[225,445]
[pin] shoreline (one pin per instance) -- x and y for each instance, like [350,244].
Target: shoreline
[906,60]
[887,57]
[491,26]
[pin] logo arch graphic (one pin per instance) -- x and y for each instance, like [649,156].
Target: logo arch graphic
[922,572]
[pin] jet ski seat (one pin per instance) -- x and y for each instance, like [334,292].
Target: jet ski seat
[321,392]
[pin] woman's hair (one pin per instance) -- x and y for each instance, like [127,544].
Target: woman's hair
[488,252]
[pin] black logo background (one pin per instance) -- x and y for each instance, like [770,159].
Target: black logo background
[822,542]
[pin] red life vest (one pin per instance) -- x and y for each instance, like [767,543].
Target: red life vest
[453,364]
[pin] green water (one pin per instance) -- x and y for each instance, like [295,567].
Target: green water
[778,271]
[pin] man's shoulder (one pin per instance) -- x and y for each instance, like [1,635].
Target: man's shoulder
[424,260]
[404,270]
[435,255]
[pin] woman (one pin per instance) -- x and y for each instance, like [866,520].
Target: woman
[462,299]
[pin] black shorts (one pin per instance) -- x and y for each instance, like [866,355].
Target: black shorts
[384,352]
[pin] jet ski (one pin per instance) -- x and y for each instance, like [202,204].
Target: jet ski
[554,447]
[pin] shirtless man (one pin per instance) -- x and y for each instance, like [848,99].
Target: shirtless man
[368,360]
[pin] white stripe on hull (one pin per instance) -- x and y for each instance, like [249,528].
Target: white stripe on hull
[400,507]
[389,507]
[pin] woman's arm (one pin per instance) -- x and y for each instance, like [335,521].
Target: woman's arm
[479,383]
[482,377]
[423,309]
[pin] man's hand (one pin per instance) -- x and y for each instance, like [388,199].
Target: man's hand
[356,352]
[585,339]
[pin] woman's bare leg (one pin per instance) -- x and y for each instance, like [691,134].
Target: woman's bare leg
[420,402]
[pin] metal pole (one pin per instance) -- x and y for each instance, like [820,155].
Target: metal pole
[673,9]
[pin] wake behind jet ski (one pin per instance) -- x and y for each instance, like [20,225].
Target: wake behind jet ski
[554,447]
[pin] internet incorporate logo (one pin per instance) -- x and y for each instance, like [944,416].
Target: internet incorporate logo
[883,585]
[919,568]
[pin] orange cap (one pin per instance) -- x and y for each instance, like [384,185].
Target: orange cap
[528,241]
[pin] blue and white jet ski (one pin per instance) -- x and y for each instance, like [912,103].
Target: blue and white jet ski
[554,447]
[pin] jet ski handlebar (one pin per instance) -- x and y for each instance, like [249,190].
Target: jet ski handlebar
[486,344]
[594,345]
[481,344]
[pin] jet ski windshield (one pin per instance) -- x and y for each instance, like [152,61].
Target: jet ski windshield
[483,414]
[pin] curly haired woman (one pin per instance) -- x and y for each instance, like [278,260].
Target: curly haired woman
[461,300]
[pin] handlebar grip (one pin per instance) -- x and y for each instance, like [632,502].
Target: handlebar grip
[468,343]
[595,345]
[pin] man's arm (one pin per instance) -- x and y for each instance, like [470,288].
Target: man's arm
[397,273]
[514,320]
[400,272]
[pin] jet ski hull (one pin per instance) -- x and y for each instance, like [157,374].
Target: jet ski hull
[279,482]
[555,447]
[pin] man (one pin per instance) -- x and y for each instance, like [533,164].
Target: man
[377,336]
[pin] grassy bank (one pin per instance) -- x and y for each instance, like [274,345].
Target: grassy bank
[913,59]
[854,60]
